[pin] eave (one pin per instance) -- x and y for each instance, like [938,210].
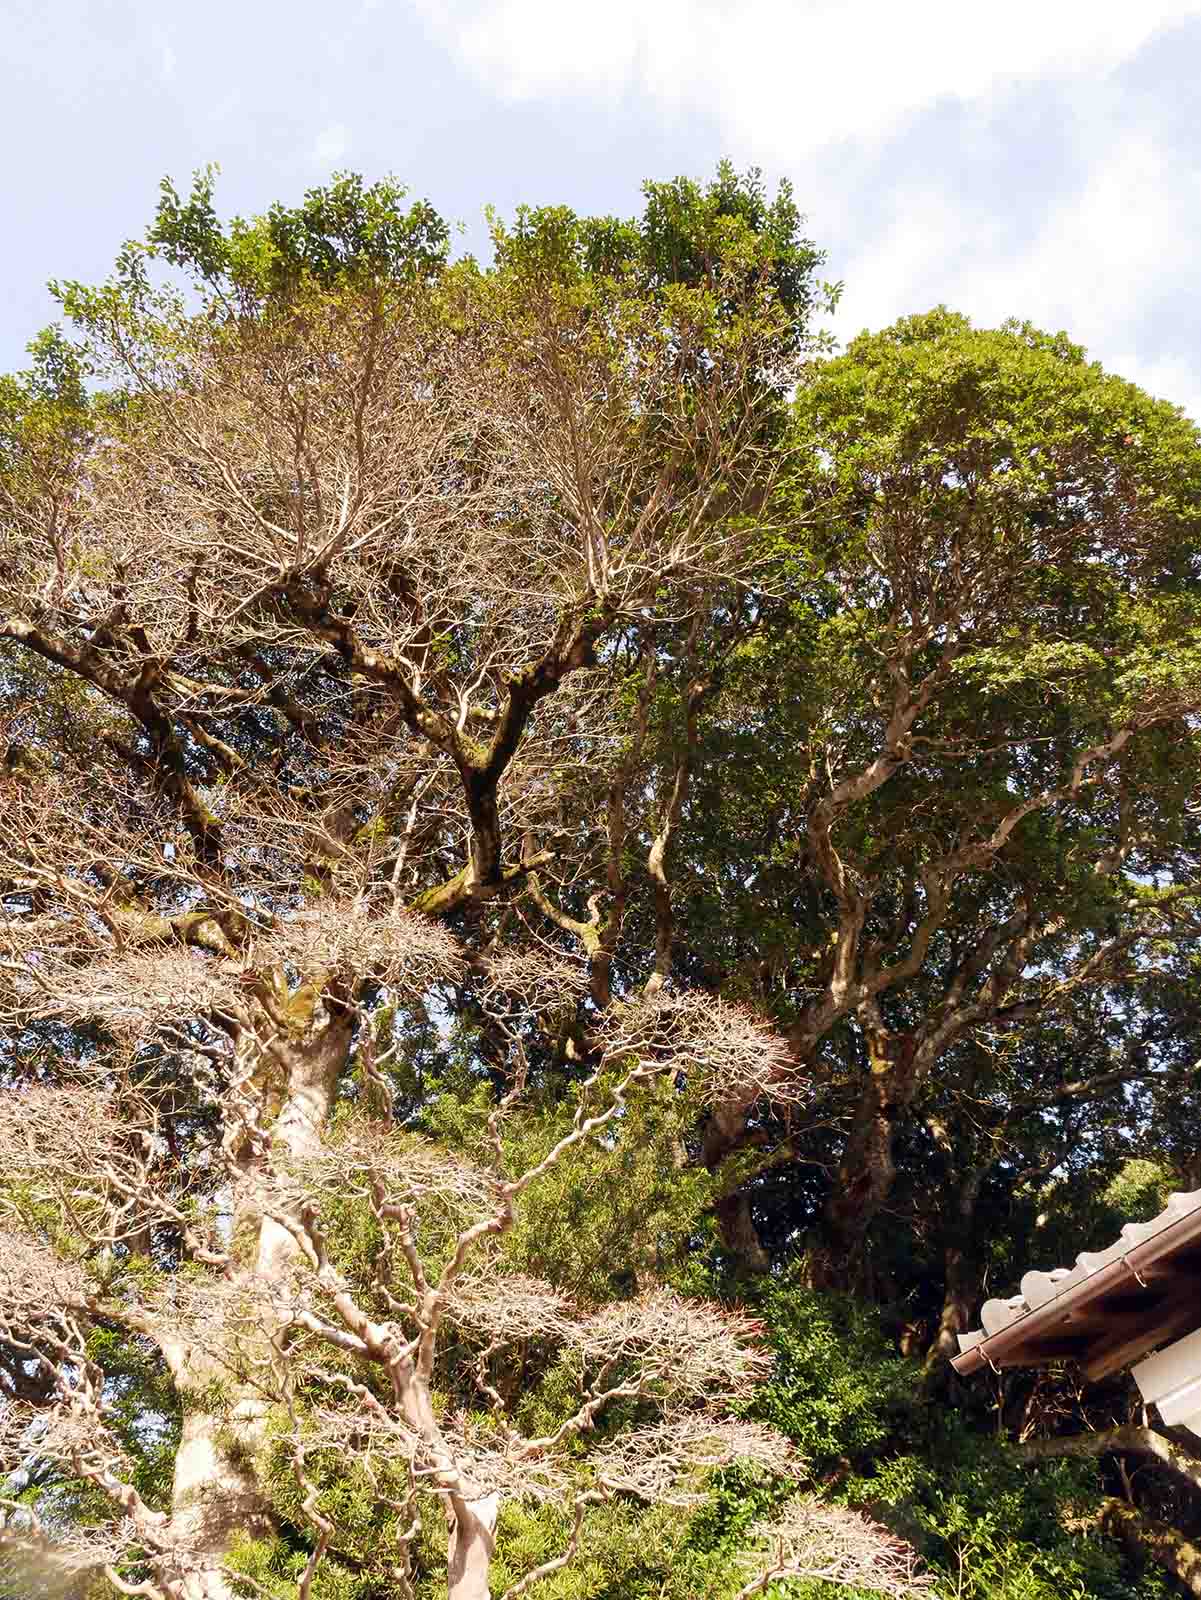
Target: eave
[1109,1309]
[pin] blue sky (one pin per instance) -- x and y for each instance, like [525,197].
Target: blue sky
[1041,158]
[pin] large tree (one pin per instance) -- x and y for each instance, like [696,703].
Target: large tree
[334,574]
[948,787]
[519,776]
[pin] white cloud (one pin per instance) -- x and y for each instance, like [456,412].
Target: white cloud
[783,74]
[1128,231]
[828,89]
[167,59]
[330,145]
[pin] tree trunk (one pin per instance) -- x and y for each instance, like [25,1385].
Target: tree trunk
[961,1290]
[739,1234]
[215,1499]
[867,1171]
[472,1540]
[961,1268]
[725,1133]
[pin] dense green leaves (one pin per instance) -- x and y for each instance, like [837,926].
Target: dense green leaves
[581,599]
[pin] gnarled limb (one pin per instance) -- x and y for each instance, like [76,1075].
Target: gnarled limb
[1146,1536]
[1145,1443]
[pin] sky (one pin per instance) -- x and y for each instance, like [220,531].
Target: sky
[1040,158]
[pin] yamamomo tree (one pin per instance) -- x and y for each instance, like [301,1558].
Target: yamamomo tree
[371,622]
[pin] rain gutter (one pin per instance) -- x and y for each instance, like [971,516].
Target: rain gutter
[991,1350]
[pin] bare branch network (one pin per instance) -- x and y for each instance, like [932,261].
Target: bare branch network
[366,643]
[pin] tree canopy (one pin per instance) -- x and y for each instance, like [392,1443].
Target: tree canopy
[581,872]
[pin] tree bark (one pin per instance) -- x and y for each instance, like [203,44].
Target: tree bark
[216,1500]
[961,1268]
[725,1133]
[472,1540]
[739,1234]
[1165,1546]
[867,1171]
[961,1290]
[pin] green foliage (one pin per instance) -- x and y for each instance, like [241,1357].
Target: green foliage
[1139,1192]
[838,1388]
[994,1528]
[629,1552]
[143,1409]
[342,234]
[1082,491]
[619,1211]
[990,1528]
[364,1546]
[47,422]
[622,1210]
[624,1551]
[936,461]
[274,1568]
[690,236]
[352,1231]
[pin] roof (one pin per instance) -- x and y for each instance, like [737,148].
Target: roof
[1109,1309]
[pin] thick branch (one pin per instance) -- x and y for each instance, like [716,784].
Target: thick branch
[1167,1547]
[1134,1441]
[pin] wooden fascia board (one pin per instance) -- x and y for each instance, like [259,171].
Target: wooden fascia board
[1002,1348]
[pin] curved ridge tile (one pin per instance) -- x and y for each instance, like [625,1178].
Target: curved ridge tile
[1038,1288]
[998,1314]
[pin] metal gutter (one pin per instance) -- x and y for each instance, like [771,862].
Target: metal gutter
[1056,1295]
